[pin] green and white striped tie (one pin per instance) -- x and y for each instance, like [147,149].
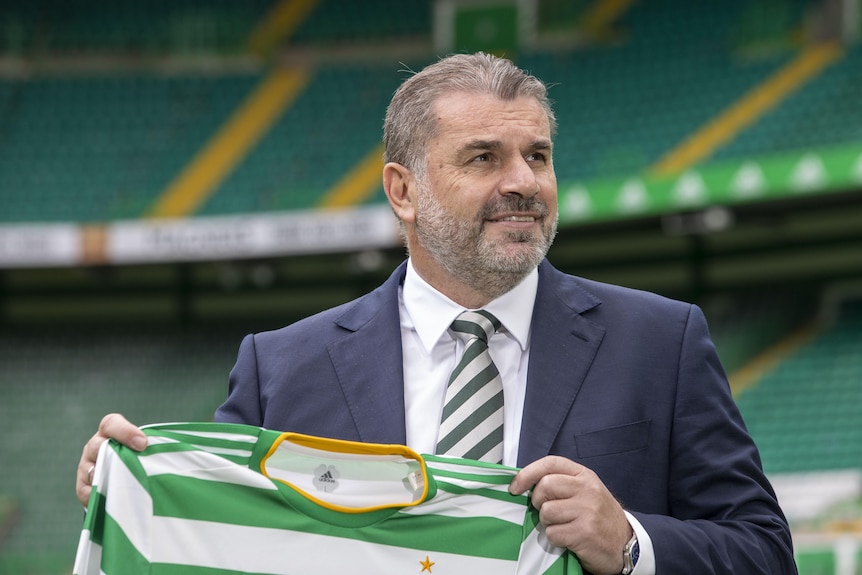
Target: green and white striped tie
[472,422]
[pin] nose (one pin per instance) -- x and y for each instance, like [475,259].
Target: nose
[518,177]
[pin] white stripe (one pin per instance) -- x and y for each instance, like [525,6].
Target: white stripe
[238,437]
[202,465]
[475,435]
[88,557]
[472,369]
[467,506]
[474,402]
[473,485]
[282,552]
[224,450]
[182,429]
[132,507]
[156,440]
[537,554]
[469,467]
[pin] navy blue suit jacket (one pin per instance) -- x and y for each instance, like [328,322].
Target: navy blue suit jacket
[625,382]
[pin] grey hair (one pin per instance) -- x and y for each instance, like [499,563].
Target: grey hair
[410,122]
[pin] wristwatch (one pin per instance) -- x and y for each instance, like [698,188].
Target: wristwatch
[631,552]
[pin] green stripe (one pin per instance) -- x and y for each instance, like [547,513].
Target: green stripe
[95,510]
[484,446]
[119,555]
[182,497]
[469,390]
[473,536]
[130,459]
[206,440]
[473,350]
[466,426]
[185,498]
[496,474]
[505,496]
[172,569]
[470,328]
[250,431]
[241,460]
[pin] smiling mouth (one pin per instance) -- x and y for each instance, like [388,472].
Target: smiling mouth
[515,219]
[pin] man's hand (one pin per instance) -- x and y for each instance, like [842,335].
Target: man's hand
[577,511]
[113,426]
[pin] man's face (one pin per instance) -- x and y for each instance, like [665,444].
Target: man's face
[488,203]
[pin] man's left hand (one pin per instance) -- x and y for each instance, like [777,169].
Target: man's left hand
[578,512]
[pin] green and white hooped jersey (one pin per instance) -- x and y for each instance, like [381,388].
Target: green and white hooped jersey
[220,499]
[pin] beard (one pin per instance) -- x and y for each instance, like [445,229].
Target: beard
[461,247]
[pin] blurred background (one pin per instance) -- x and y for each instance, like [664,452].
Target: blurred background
[175,174]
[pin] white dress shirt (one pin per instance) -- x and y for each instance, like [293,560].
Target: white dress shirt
[431,352]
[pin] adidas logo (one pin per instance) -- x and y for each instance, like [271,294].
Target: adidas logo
[326,478]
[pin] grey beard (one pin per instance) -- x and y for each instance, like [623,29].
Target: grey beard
[473,260]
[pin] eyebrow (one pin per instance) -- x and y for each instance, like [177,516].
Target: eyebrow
[540,144]
[483,145]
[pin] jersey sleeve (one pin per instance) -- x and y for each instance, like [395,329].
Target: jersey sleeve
[115,538]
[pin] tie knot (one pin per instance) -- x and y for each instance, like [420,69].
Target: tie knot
[475,324]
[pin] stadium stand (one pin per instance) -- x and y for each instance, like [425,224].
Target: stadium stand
[299,159]
[805,414]
[118,141]
[58,383]
[820,114]
[155,27]
[85,148]
[372,21]
[742,327]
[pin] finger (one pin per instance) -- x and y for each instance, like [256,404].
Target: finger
[558,511]
[83,491]
[530,475]
[117,427]
[91,450]
[553,487]
[113,426]
[83,481]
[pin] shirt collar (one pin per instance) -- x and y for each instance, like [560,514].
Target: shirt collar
[432,312]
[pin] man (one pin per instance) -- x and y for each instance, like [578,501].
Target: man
[616,405]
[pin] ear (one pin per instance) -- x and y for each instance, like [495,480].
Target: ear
[400,188]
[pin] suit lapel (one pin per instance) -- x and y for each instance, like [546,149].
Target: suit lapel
[369,363]
[562,347]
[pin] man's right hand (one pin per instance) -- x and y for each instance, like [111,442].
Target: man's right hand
[113,426]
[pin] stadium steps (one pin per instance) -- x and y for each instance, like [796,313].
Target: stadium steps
[332,128]
[746,111]
[240,132]
[277,25]
[822,113]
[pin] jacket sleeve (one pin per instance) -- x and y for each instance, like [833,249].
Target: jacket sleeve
[724,516]
[243,401]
